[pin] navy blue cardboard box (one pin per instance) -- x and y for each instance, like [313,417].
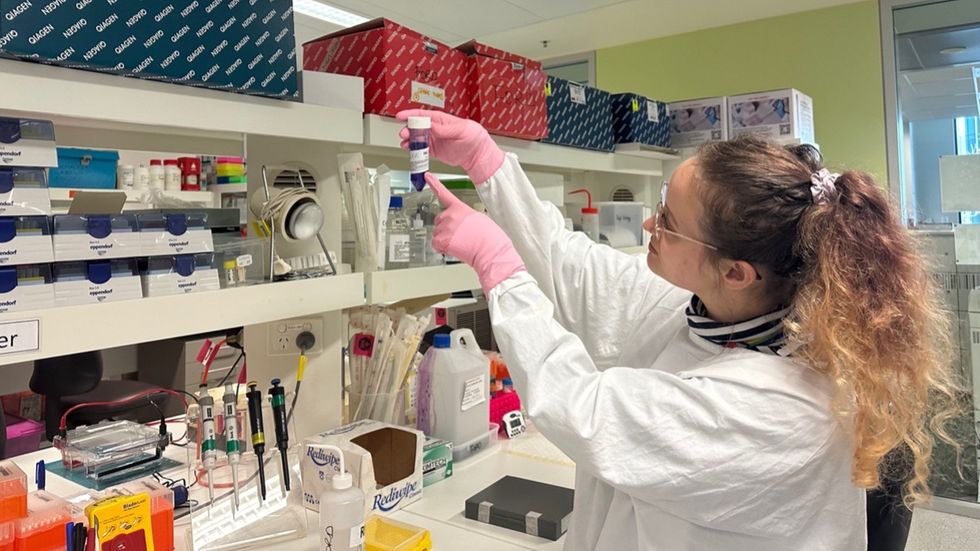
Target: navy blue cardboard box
[638,119]
[578,116]
[245,46]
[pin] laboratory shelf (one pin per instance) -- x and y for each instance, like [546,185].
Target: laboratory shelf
[381,137]
[648,151]
[393,285]
[76,99]
[135,196]
[111,324]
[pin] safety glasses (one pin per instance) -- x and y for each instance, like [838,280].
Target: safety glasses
[660,219]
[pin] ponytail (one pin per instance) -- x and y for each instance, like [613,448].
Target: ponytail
[869,312]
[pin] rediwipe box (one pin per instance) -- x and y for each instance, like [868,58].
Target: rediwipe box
[506,92]
[401,68]
[239,46]
[384,460]
[778,114]
[697,121]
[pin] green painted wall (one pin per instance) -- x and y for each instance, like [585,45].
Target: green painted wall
[832,54]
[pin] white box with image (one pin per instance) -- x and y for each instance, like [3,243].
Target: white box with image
[782,115]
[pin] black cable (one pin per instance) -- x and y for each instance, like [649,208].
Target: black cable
[238,387]
[232,370]
[184,392]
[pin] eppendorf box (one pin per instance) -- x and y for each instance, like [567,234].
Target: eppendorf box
[243,46]
[384,460]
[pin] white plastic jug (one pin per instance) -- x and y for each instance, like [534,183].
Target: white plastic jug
[459,391]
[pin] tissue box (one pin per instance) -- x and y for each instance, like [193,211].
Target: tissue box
[578,116]
[694,122]
[180,274]
[638,119]
[95,236]
[25,240]
[174,233]
[437,461]
[96,281]
[401,68]
[779,115]
[27,287]
[385,461]
[24,192]
[506,92]
[84,169]
[222,44]
[26,142]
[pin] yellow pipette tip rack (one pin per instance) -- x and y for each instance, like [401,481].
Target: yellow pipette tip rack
[385,534]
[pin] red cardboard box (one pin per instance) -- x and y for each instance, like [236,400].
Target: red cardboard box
[506,92]
[401,68]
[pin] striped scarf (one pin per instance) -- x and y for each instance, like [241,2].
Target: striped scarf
[762,334]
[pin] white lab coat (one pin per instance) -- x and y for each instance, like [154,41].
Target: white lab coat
[679,444]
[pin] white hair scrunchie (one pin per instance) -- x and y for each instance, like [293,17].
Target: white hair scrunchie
[823,185]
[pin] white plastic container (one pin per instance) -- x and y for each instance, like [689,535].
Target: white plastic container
[341,509]
[157,178]
[142,179]
[171,175]
[126,177]
[459,393]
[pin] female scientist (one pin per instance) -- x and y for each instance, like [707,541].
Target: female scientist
[738,387]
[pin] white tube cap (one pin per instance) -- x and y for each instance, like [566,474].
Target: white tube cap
[419,123]
[342,481]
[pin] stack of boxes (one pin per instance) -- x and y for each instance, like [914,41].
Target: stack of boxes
[230,170]
[27,148]
[780,115]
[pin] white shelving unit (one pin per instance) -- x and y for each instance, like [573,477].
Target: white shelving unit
[99,326]
[109,112]
[391,286]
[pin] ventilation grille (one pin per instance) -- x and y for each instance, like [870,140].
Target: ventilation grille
[290,178]
[476,318]
[622,194]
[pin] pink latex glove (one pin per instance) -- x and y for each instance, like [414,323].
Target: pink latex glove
[473,238]
[458,142]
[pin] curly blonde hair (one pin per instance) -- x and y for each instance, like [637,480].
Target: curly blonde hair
[864,303]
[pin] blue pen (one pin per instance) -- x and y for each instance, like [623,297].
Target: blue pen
[70,536]
[39,474]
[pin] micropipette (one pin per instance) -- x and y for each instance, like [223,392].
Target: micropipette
[232,446]
[278,395]
[209,440]
[258,435]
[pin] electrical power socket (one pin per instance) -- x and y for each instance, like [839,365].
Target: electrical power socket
[283,333]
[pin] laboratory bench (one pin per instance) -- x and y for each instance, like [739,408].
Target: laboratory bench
[440,510]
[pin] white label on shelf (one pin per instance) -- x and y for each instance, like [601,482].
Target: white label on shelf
[577,93]
[428,94]
[19,336]
[399,247]
[244,261]
[653,114]
[474,392]
[356,536]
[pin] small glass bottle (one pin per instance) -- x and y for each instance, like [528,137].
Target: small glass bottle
[418,149]
[230,273]
[419,251]
[398,236]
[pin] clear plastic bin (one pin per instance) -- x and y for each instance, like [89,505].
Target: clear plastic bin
[13,492]
[385,534]
[44,527]
[241,262]
[23,435]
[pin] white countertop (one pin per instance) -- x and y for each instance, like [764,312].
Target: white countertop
[440,510]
